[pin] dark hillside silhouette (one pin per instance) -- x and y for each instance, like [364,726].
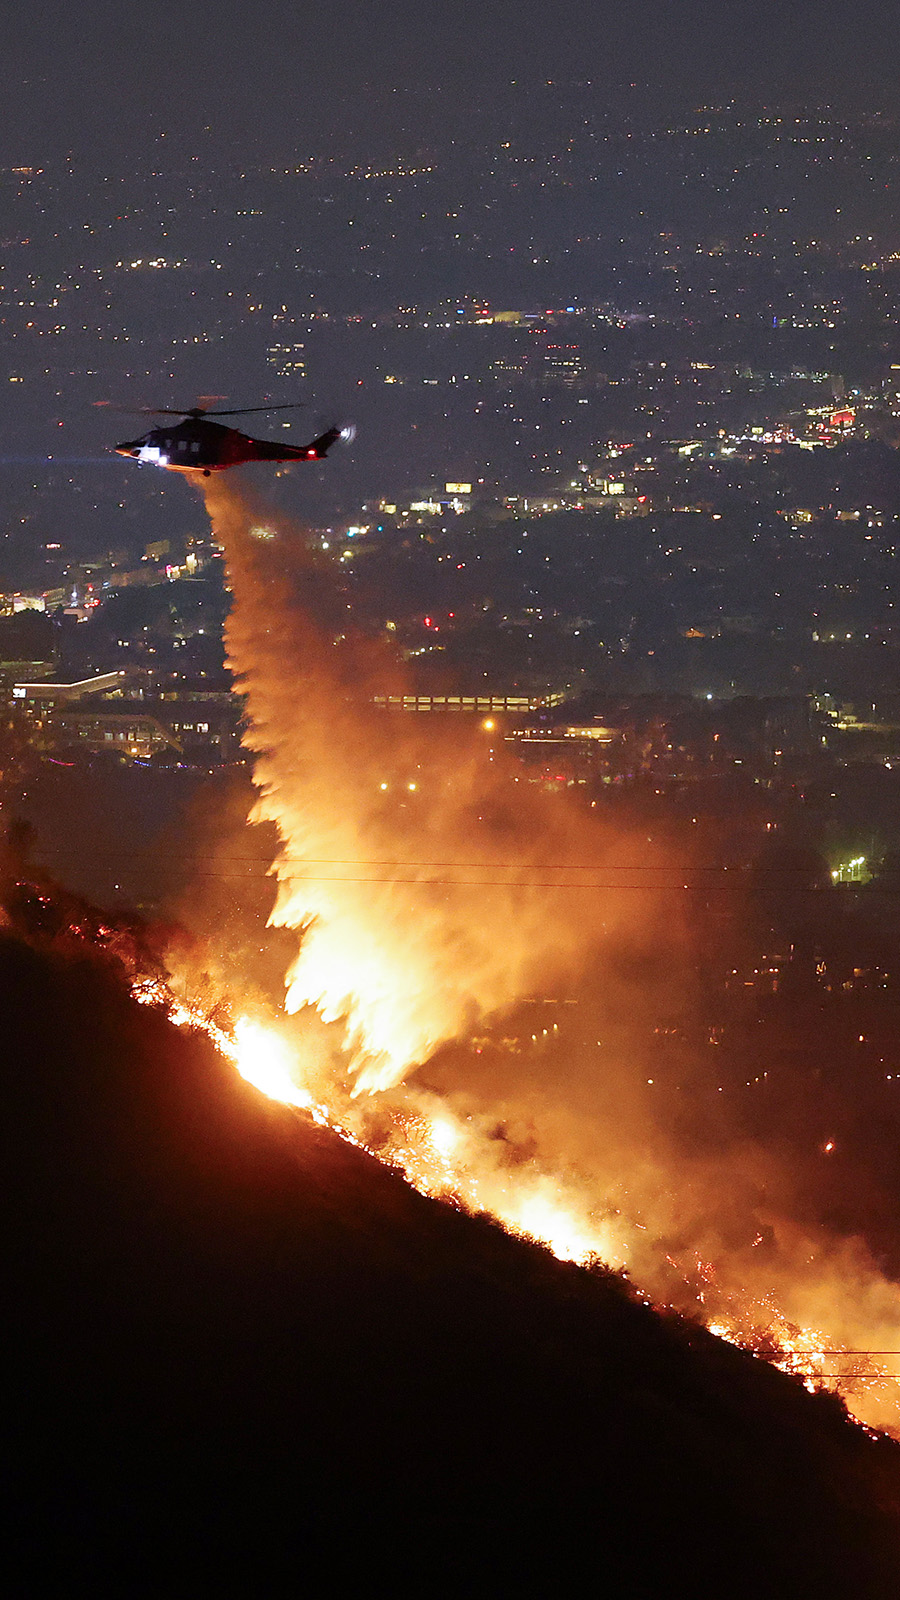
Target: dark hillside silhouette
[242,1357]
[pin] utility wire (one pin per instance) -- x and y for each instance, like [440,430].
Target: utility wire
[493,866]
[772,886]
[747,878]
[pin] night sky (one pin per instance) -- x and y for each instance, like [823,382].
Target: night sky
[106,74]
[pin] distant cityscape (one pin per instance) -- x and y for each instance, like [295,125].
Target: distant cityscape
[625,486]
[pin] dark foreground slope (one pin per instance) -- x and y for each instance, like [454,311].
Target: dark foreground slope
[236,1347]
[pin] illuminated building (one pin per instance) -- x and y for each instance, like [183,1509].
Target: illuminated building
[512,704]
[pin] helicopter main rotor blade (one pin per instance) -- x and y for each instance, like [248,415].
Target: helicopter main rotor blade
[245,411]
[197,411]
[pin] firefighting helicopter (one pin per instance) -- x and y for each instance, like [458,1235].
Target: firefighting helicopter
[196,444]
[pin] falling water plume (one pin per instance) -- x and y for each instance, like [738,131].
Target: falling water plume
[390,832]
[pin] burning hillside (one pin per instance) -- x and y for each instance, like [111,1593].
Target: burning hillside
[240,1348]
[431,891]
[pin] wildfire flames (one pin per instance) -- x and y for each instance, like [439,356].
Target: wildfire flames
[410,933]
[450,1160]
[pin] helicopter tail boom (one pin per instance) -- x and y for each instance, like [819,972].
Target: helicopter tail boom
[317,450]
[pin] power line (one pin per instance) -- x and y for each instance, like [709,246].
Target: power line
[502,883]
[731,880]
[491,866]
[740,878]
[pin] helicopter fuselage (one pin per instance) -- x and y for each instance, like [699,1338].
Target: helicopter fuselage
[198,445]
